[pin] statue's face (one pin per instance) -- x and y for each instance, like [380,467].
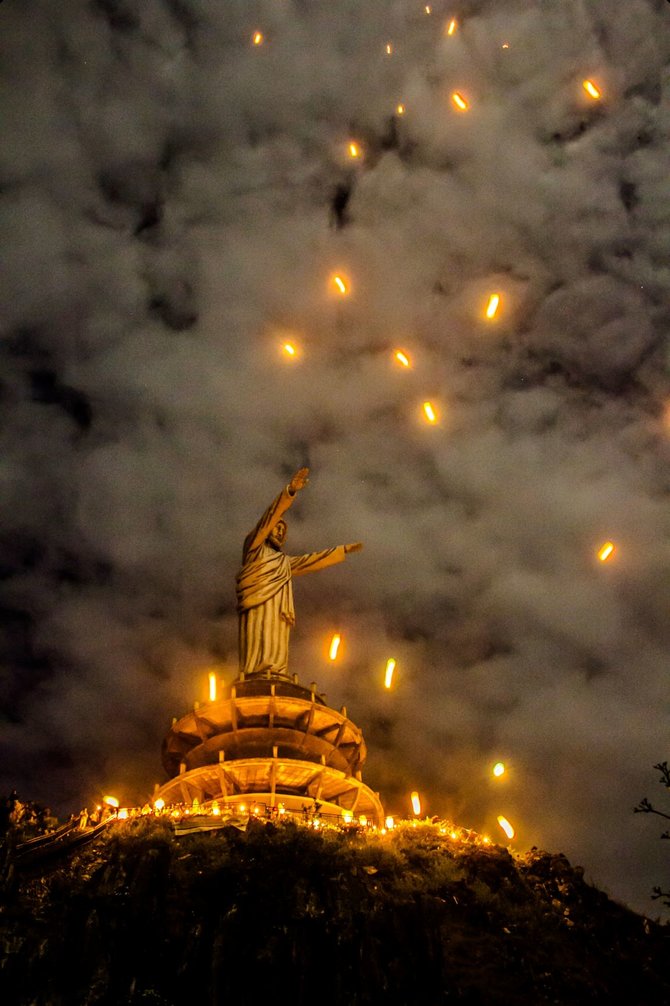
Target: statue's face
[278,535]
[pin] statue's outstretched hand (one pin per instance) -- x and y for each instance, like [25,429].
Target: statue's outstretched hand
[299,480]
[356,546]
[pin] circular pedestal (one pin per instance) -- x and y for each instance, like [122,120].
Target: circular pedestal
[274,781]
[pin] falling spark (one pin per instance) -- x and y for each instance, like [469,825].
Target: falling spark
[111,801]
[498,769]
[416,802]
[389,824]
[334,646]
[389,48]
[505,45]
[429,412]
[390,668]
[453,24]
[591,89]
[340,284]
[159,804]
[289,350]
[212,686]
[492,306]
[506,826]
[428,9]
[354,150]
[257,38]
[400,109]
[402,358]
[606,551]
[459,101]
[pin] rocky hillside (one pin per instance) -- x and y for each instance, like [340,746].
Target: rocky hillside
[282,912]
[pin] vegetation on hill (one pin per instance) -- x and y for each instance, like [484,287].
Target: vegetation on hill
[284,912]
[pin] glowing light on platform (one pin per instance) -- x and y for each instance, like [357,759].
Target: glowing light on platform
[110,801]
[257,38]
[492,306]
[400,109]
[429,412]
[459,101]
[363,820]
[123,814]
[389,824]
[390,668]
[212,686]
[452,26]
[416,802]
[498,769]
[334,646]
[506,826]
[592,90]
[159,804]
[354,150]
[216,810]
[347,817]
[340,285]
[606,551]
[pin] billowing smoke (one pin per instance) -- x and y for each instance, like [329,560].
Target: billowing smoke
[175,201]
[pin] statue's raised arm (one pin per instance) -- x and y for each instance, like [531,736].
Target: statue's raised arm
[264,585]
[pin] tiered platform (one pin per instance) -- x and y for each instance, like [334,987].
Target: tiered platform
[269,741]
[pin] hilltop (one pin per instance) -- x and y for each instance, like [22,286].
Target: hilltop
[283,912]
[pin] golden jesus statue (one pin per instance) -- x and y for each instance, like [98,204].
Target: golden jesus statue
[264,587]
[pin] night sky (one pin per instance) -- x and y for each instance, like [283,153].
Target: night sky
[175,201]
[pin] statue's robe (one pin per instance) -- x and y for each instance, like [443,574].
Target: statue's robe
[265,592]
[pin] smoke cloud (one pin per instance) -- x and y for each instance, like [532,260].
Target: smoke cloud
[174,202]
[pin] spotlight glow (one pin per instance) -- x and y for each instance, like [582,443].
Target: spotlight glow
[498,769]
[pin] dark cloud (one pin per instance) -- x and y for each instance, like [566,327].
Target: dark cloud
[169,195]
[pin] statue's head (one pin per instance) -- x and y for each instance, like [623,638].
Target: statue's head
[277,536]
